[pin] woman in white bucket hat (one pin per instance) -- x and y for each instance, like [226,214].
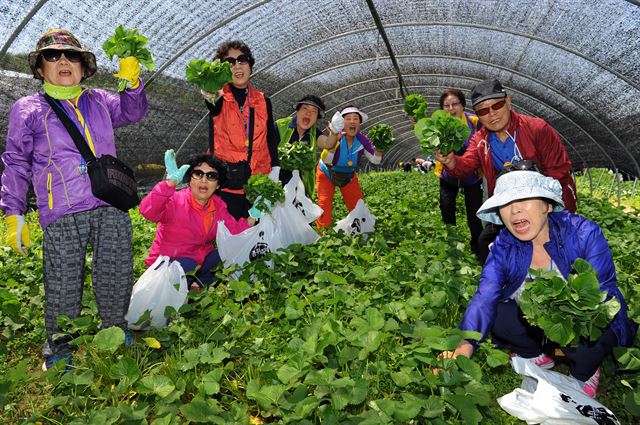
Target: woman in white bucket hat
[539,234]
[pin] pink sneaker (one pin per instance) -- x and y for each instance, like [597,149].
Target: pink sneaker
[591,386]
[543,361]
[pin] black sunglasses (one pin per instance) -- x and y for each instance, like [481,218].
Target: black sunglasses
[54,55]
[212,176]
[523,165]
[242,60]
[484,111]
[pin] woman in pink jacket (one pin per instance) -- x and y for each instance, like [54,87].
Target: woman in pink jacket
[188,218]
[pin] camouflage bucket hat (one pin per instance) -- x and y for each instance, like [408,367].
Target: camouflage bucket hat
[61,39]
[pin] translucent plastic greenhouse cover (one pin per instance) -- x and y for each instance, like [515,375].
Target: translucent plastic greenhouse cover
[575,63]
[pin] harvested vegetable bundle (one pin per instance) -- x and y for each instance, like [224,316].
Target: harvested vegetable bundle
[441,131]
[296,156]
[381,137]
[209,76]
[416,106]
[568,311]
[125,43]
[261,186]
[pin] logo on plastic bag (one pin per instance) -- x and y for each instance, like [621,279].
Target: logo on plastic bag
[599,414]
[299,206]
[260,249]
[356,226]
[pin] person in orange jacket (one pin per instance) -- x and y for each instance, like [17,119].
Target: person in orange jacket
[242,130]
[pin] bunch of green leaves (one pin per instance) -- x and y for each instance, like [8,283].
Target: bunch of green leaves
[128,42]
[296,156]
[416,106]
[568,311]
[441,131]
[381,137]
[260,185]
[209,76]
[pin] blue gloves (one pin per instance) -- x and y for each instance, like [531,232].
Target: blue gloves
[173,172]
[255,212]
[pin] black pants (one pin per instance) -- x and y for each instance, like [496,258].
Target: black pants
[237,204]
[511,329]
[486,238]
[472,201]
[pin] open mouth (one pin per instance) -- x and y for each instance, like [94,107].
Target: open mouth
[306,121]
[64,73]
[520,226]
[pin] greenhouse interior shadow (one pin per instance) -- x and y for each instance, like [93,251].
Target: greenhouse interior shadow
[574,63]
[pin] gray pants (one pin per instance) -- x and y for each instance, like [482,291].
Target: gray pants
[109,232]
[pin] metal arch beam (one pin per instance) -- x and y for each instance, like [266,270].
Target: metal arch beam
[459,24]
[201,37]
[20,27]
[383,34]
[518,91]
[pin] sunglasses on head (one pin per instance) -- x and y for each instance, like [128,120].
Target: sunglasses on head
[212,176]
[54,55]
[495,107]
[242,60]
[523,165]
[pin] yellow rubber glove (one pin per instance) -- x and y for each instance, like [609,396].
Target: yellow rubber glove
[129,70]
[18,237]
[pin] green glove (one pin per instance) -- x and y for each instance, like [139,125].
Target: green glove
[129,71]
[173,172]
[18,236]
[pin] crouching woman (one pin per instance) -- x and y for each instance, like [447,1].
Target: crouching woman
[540,235]
[188,218]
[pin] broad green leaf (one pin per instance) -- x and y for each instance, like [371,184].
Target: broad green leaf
[125,369]
[202,411]
[78,377]
[327,276]
[469,367]
[287,374]
[496,358]
[402,378]
[109,339]
[211,381]
[159,385]
[466,407]
[433,407]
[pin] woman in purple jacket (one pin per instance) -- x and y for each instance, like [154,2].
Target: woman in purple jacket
[540,235]
[40,151]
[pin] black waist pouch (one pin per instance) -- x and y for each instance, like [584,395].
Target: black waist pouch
[113,182]
[238,174]
[341,179]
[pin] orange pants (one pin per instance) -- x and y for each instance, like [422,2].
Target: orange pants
[326,190]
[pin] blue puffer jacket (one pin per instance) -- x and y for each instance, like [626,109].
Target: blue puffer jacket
[571,237]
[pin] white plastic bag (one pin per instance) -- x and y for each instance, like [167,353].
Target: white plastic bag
[249,245]
[359,221]
[155,290]
[291,226]
[295,194]
[551,398]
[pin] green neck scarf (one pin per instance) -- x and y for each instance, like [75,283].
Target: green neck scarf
[60,92]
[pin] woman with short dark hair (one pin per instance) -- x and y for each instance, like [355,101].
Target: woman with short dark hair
[242,131]
[188,218]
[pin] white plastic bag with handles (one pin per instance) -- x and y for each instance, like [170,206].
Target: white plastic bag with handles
[295,194]
[359,221]
[551,398]
[248,245]
[163,284]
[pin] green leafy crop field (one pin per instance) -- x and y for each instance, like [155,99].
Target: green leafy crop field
[344,331]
